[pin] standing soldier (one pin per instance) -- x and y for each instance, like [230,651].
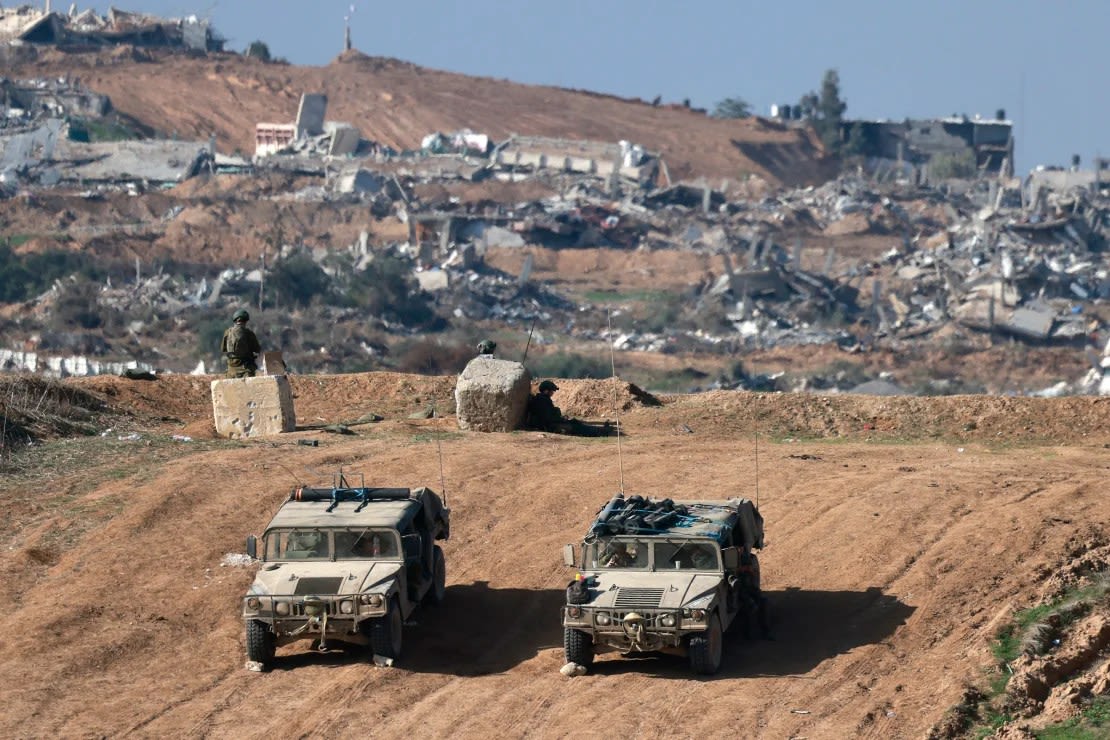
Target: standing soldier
[240,346]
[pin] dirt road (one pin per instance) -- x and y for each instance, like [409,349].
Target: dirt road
[889,564]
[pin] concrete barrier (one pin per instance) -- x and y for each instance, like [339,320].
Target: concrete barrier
[253,407]
[492,395]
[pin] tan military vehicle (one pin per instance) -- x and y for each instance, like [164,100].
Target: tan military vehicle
[345,565]
[664,576]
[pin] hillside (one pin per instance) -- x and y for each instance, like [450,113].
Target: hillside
[902,533]
[397,103]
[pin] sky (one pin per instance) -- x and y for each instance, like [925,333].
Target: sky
[1044,63]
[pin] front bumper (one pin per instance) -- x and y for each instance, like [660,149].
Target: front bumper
[640,630]
[313,616]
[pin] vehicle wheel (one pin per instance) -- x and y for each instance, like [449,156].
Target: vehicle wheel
[438,592]
[385,632]
[578,647]
[260,644]
[706,648]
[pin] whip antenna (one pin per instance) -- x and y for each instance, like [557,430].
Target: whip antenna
[613,365]
[757,470]
[439,454]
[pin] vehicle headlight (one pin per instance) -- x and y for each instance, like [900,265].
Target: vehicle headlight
[375,600]
[346,607]
[254,603]
[667,620]
[574,612]
[281,608]
[698,615]
[603,619]
[364,599]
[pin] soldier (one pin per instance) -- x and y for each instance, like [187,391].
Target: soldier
[240,346]
[486,348]
[542,411]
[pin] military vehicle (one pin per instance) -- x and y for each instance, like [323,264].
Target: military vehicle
[664,576]
[345,564]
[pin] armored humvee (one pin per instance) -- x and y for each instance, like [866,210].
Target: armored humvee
[345,564]
[664,576]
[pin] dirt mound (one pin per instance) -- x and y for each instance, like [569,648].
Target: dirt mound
[595,399]
[35,408]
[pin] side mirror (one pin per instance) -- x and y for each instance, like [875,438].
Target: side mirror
[732,558]
[252,546]
[568,555]
[410,543]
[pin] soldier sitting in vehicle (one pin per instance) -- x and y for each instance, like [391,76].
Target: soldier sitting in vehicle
[306,544]
[622,555]
[368,545]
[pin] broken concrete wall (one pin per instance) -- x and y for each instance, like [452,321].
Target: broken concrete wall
[492,395]
[253,407]
[310,114]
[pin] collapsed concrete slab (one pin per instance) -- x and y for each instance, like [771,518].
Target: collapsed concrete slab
[492,395]
[253,407]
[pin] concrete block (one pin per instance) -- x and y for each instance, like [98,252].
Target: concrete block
[491,395]
[253,407]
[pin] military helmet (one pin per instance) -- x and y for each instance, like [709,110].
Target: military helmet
[547,385]
[241,314]
[486,347]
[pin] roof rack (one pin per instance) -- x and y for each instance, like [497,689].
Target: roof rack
[640,515]
[340,490]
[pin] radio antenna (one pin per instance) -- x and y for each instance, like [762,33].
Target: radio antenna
[613,365]
[757,469]
[439,454]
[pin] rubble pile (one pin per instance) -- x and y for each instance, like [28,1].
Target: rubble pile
[987,257]
[24,24]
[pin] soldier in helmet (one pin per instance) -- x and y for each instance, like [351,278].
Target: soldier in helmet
[486,347]
[240,346]
[542,412]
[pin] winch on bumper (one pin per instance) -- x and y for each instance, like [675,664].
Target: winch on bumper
[640,630]
[292,616]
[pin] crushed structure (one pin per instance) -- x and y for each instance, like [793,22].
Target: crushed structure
[84,29]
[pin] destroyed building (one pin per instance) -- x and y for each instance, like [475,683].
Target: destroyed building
[88,29]
[989,142]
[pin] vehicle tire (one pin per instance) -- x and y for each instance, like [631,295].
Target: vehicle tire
[578,647]
[438,592]
[706,649]
[385,632]
[260,644]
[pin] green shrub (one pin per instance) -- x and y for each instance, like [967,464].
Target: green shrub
[569,365]
[427,357]
[296,280]
[952,165]
[387,288]
[24,276]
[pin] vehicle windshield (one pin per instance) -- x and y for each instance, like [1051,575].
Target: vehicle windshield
[611,552]
[679,554]
[298,544]
[362,543]
[356,543]
[683,555]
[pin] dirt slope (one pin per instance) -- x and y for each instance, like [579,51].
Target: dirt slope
[889,563]
[396,103]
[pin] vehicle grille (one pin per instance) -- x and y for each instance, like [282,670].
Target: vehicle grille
[331,606]
[322,586]
[639,598]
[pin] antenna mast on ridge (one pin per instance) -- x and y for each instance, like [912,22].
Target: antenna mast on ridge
[613,364]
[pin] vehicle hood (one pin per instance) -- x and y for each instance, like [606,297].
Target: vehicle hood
[625,591]
[323,578]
